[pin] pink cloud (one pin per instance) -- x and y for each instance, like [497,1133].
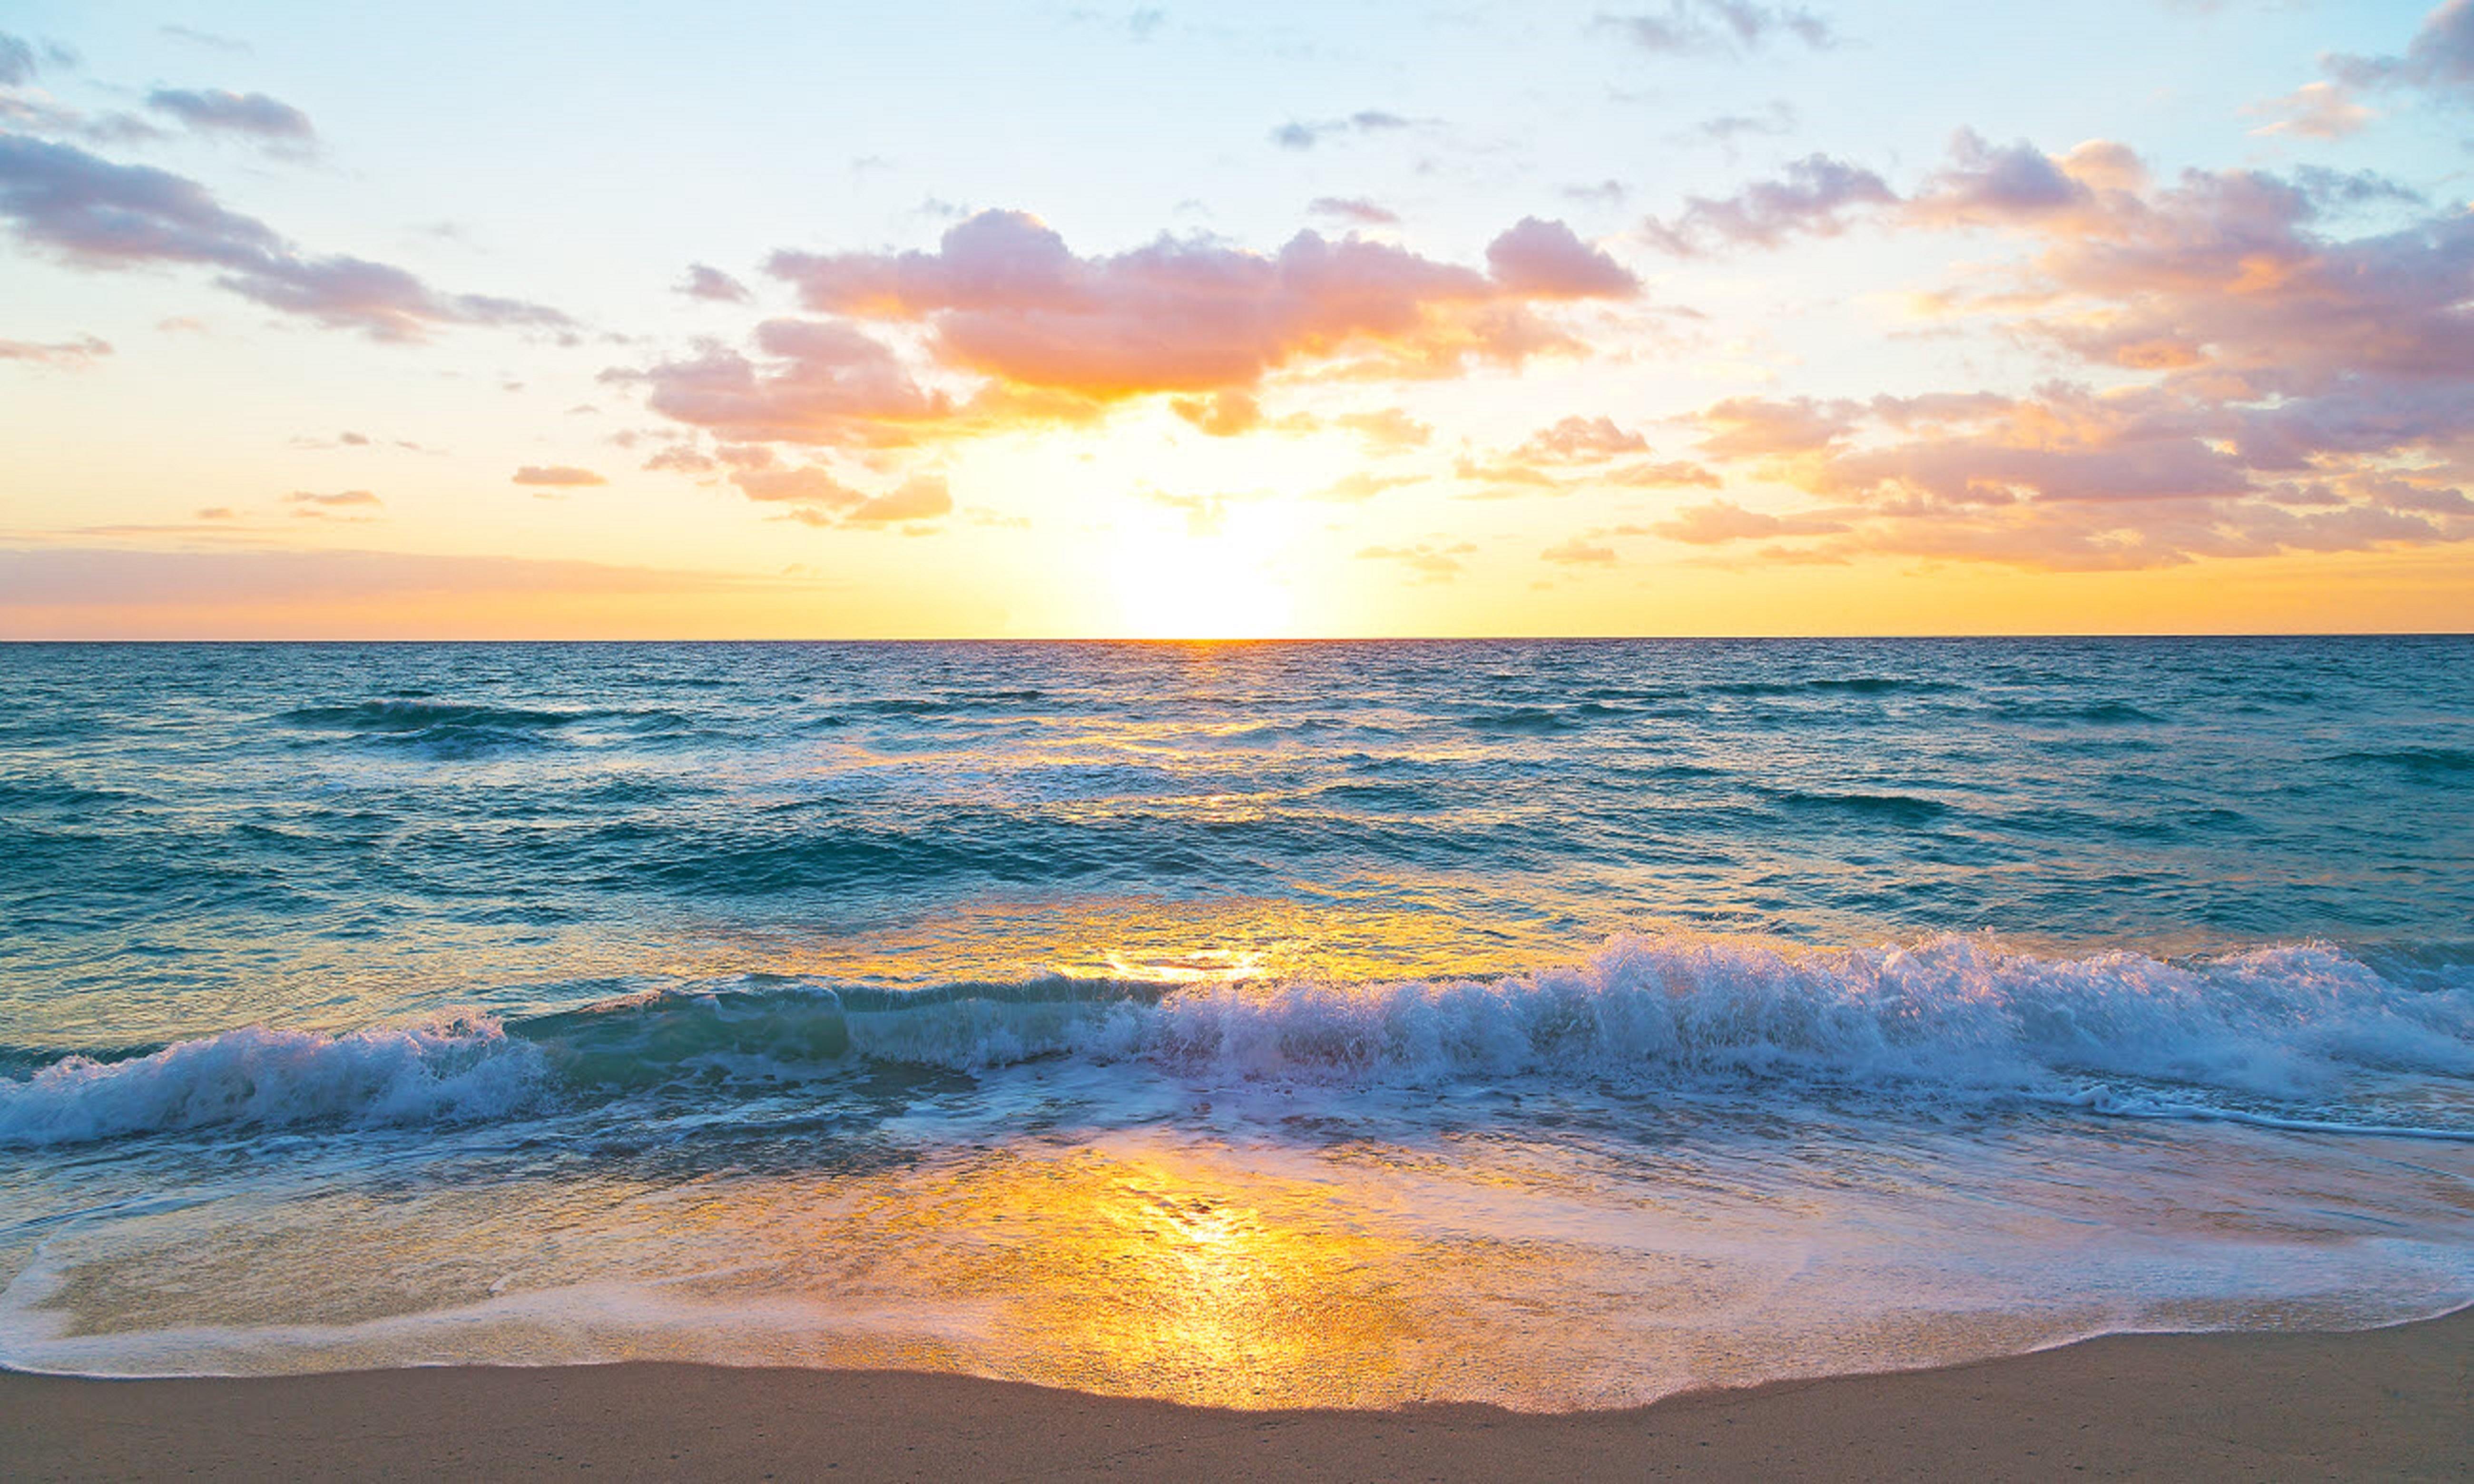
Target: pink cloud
[1578,439]
[821,382]
[72,354]
[1723,520]
[1003,296]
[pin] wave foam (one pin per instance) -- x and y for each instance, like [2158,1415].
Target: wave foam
[2289,1036]
[442,1071]
[2289,1022]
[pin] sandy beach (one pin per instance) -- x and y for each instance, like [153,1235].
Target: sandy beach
[2390,1403]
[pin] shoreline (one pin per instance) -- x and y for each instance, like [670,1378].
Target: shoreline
[2393,1403]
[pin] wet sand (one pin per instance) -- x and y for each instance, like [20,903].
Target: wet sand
[2389,1403]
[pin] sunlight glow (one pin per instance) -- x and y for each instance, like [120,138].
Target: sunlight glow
[1220,584]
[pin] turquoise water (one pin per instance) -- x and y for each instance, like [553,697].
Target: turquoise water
[1741,1008]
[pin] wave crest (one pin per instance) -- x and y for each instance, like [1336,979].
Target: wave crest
[2300,1034]
[446,1071]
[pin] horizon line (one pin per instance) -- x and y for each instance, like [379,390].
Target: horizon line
[1322,638]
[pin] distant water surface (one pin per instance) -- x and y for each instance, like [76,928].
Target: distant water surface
[1557,1022]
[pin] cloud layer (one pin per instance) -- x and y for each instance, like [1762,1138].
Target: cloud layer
[91,212]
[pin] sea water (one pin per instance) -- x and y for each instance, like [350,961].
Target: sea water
[1550,1024]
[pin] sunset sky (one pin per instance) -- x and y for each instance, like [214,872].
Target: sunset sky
[1691,317]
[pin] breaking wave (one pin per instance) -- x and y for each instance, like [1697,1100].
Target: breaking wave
[2291,1036]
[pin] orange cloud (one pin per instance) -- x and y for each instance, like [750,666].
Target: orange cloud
[1432,562]
[557,476]
[1389,431]
[923,498]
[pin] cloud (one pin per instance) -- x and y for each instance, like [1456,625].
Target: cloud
[1223,414]
[1355,210]
[924,497]
[809,485]
[557,476]
[1508,477]
[1778,117]
[1387,431]
[2314,111]
[206,39]
[1986,185]
[821,382]
[1577,453]
[1431,561]
[353,505]
[73,355]
[1723,520]
[2441,56]
[1579,439]
[1297,135]
[2234,281]
[97,214]
[2071,478]
[1578,552]
[115,592]
[1205,514]
[1672,474]
[1813,196]
[1545,260]
[1724,28]
[1002,297]
[17,62]
[215,111]
[814,495]
[38,114]
[1360,485]
[711,283]
[1747,427]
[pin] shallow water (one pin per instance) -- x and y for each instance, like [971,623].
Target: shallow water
[1555,1024]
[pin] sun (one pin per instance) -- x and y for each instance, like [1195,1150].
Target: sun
[1226,583]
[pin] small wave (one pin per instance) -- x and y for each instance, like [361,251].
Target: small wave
[437,729]
[1850,685]
[448,730]
[406,715]
[1898,809]
[2442,761]
[1529,719]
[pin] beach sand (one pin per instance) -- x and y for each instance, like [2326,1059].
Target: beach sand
[2388,1403]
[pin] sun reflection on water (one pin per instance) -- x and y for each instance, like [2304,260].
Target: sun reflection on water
[1147,1274]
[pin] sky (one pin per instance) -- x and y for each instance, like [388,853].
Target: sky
[1694,316]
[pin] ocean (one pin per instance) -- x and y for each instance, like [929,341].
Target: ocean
[1556,1023]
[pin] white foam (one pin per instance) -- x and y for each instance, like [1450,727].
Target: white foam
[448,1069]
[2297,1036]
[1954,1014]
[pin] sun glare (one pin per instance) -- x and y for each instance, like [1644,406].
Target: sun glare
[1225,585]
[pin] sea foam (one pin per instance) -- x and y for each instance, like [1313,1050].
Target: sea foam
[448,1069]
[2289,1035]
